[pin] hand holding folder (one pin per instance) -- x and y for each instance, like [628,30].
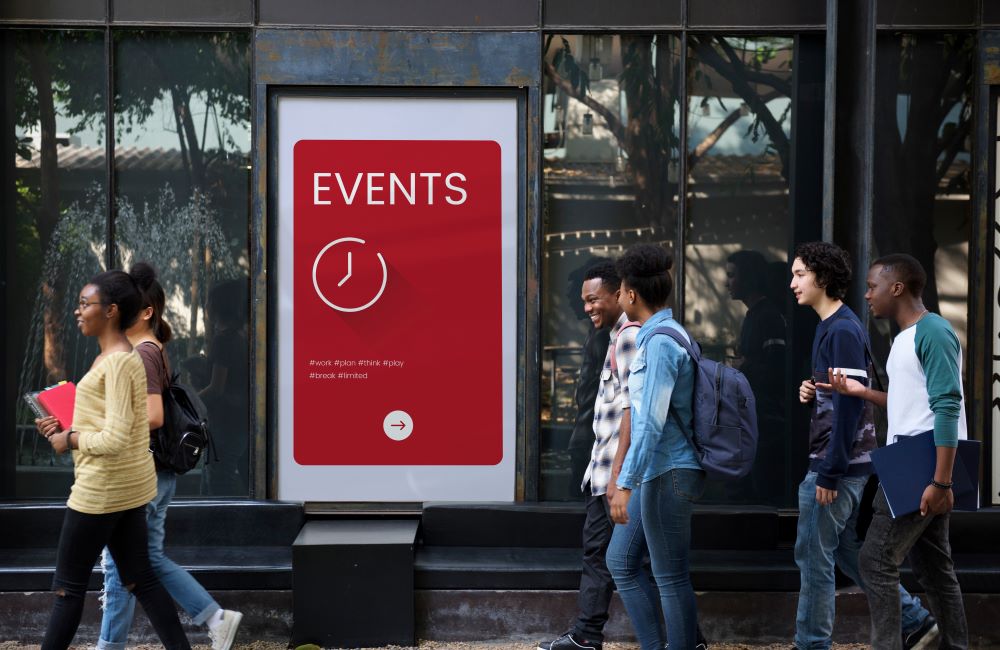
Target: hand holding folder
[906,468]
[57,400]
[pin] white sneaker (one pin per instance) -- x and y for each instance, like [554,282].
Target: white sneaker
[223,634]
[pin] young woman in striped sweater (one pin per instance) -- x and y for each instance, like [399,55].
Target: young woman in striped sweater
[113,470]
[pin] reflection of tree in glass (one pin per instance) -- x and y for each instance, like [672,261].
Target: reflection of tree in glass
[76,252]
[213,67]
[650,78]
[916,147]
[58,73]
[170,233]
[64,73]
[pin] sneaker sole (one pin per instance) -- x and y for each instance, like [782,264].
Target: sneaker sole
[929,638]
[228,641]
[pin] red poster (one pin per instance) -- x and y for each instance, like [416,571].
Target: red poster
[397,309]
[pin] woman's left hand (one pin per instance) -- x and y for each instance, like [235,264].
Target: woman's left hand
[619,505]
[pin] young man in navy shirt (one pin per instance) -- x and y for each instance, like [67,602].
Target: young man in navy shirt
[841,435]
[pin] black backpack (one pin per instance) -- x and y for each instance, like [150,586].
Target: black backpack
[184,437]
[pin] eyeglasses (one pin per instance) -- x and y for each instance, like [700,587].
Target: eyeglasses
[83,304]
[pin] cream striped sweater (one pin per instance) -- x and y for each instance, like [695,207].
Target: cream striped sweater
[113,468]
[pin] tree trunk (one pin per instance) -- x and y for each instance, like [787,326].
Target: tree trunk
[48,211]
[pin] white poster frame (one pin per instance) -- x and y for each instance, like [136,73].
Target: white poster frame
[452,116]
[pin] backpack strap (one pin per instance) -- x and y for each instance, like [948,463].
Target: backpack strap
[695,358]
[164,373]
[614,360]
[675,334]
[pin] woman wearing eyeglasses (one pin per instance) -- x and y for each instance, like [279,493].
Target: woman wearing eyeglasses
[113,470]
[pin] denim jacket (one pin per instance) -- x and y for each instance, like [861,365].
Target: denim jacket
[661,380]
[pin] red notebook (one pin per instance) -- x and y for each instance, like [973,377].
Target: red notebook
[59,401]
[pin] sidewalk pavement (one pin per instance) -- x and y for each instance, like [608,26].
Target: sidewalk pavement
[515,644]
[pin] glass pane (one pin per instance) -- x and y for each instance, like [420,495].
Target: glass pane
[736,300]
[58,229]
[182,163]
[611,119]
[923,139]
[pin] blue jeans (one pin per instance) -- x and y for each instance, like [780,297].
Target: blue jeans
[119,604]
[827,536]
[665,504]
[625,555]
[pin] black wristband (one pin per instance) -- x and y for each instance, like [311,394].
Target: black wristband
[941,486]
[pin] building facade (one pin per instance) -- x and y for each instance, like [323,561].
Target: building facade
[726,131]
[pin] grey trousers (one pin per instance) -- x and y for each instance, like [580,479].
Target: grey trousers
[925,541]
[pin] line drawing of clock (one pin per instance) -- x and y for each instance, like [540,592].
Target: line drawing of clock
[319,292]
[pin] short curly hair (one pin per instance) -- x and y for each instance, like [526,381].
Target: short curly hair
[605,272]
[645,268]
[830,263]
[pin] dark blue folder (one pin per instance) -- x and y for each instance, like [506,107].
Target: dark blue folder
[906,467]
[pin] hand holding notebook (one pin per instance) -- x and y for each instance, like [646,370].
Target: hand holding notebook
[57,400]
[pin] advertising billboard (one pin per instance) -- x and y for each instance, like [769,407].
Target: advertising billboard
[397,297]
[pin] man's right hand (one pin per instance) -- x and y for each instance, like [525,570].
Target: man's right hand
[842,384]
[807,391]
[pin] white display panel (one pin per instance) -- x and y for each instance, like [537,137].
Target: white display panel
[367,118]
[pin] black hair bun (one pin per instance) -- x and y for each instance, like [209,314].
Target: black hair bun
[650,260]
[143,274]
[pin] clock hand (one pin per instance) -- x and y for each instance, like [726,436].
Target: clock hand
[344,279]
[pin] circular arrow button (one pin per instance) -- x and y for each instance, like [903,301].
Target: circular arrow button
[398,425]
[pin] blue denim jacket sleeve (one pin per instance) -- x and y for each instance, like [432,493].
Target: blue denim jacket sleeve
[663,359]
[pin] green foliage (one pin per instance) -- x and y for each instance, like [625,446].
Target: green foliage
[77,67]
[151,66]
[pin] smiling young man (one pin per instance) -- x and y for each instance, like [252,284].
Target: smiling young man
[611,431]
[925,393]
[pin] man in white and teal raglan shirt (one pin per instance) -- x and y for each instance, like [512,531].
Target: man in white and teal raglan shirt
[925,392]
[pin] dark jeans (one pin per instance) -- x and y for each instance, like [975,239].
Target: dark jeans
[596,585]
[80,543]
[925,541]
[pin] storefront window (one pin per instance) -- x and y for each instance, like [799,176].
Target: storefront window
[923,139]
[738,234]
[182,169]
[611,151]
[55,231]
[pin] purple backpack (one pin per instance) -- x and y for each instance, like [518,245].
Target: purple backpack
[725,415]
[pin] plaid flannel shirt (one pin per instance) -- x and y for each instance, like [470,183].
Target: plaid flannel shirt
[611,404]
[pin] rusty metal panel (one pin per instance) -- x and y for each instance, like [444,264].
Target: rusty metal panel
[263,458]
[990,47]
[407,58]
[475,14]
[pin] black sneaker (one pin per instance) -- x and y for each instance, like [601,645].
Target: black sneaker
[570,641]
[922,637]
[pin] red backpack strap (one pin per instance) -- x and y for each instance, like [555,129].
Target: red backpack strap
[614,361]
